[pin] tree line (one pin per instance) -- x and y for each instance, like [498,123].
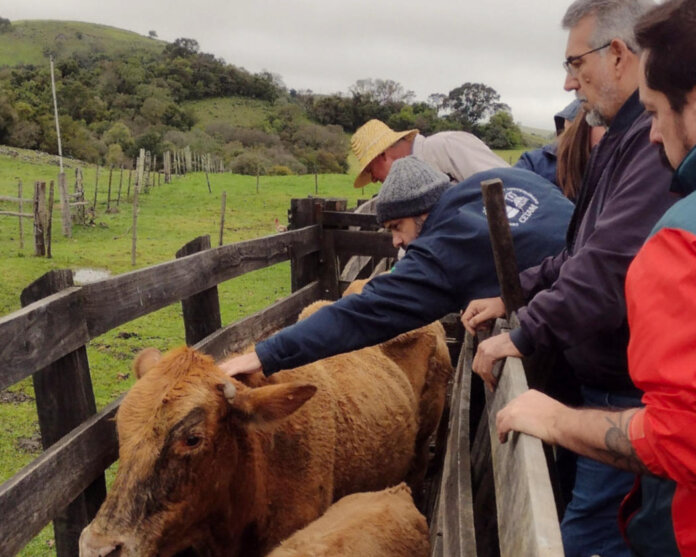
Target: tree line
[112,106]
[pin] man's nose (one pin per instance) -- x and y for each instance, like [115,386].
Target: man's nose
[396,241]
[571,83]
[655,135]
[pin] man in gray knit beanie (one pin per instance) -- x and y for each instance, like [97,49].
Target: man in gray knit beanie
[410,190]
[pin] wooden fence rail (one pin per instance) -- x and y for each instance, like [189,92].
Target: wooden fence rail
[46,339]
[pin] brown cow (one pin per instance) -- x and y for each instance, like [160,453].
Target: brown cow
[209,463]
[376,524]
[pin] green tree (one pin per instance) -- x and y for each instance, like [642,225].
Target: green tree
[182,48]
[501,132]
[119,134]
[5,25]
[472,102]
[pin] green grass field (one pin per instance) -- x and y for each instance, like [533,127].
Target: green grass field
[169,216]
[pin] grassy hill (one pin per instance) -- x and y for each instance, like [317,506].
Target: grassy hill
[236,111]
[28,42]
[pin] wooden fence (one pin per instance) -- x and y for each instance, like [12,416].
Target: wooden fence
[47,340]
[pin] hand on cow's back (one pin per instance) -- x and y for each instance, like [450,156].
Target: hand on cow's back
[241,365]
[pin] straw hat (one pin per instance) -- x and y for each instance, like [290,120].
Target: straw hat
[371,140]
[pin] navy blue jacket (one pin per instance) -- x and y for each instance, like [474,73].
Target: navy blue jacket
[542,161]
[447,266]
[577,300]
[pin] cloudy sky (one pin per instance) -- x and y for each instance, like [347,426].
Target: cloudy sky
[514,46]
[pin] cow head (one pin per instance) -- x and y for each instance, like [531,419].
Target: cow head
[186,466]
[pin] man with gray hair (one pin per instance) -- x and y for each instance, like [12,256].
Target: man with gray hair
[576,300]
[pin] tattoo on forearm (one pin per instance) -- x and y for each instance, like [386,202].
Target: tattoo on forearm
[619,447]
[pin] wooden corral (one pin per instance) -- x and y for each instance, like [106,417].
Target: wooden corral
[47,338]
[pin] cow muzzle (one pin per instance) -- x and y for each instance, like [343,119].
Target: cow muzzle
[93,544]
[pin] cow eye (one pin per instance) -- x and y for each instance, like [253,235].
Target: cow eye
[192,440]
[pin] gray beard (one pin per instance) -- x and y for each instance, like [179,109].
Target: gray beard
[595,118]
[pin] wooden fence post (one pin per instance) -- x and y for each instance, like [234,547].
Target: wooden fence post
[168,167]
[21,210]
[96,188]
[65,205]
[328,263]
[64,399]
[49,220]
[539,366]
[140,174]
[80,195]
[503,248]
[202,310]
[222,215]
[120,185]
[108,195]
[39,218]
[135,224]
[303,270]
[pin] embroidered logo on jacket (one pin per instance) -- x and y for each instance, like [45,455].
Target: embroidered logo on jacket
[520,205]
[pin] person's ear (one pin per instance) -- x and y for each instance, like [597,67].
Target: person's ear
[620,53]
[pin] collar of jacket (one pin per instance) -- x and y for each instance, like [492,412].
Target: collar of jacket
[627,114]
[684,180]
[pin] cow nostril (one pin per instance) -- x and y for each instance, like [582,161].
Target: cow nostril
[115,552]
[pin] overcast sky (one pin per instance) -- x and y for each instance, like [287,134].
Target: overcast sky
[514,46]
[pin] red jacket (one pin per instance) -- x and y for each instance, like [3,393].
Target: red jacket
[661,305]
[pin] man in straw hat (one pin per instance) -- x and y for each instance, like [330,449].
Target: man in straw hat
[454,153]
[448,261]
[457,154]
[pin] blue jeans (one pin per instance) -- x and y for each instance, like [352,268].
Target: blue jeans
[590,523]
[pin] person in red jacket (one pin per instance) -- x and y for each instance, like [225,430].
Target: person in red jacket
[658,441]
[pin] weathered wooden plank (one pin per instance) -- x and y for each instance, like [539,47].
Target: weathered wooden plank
[503,247]
[120,299]
[242,333]
[14,199]
[39,334]
[64,399]
[358,242]
[527,517]
[14,214]
[328,267]
[367,221]
[201,311]
[452,529]
[304,268]
[34,495]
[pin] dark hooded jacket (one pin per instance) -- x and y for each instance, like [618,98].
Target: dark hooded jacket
[577,300]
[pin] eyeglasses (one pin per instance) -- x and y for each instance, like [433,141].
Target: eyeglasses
[568,63]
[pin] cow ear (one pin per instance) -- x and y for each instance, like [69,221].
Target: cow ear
[146,360]
[272,402]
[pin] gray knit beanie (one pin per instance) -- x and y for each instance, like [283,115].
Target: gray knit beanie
[411,188]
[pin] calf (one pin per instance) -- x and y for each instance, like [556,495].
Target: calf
[377,524]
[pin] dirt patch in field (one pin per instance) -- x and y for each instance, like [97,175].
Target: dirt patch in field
[12,397]
[29,444]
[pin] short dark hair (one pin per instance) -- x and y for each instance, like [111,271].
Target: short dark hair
[668,33]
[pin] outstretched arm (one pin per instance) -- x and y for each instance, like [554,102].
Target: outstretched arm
[599,434]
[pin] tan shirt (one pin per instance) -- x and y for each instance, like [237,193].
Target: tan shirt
[457,154]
